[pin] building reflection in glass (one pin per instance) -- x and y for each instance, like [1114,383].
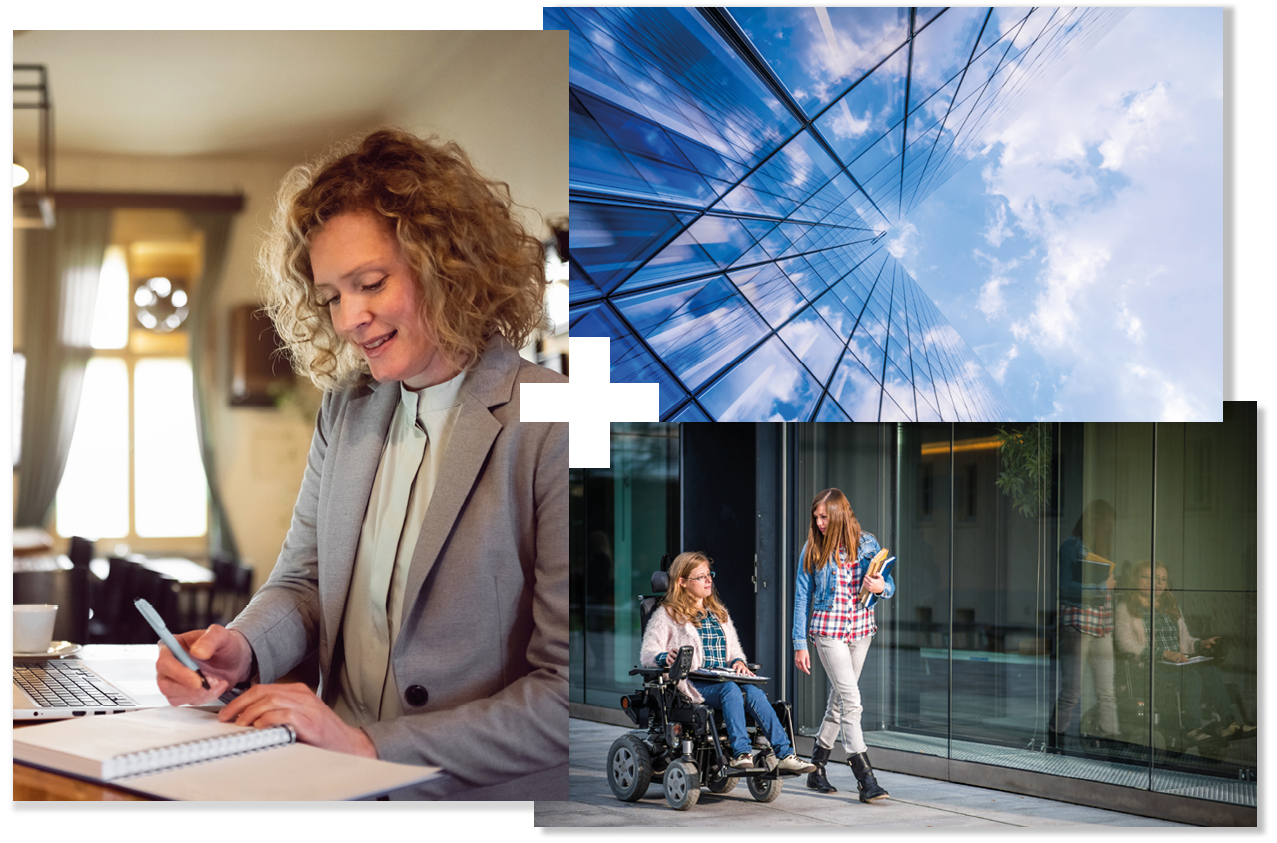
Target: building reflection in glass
[734,176]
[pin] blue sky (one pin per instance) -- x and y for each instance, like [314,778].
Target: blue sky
[1081,255]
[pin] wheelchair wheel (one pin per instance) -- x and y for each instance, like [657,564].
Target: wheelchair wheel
[724,785]
[629,768]
[764,789]
[682,785]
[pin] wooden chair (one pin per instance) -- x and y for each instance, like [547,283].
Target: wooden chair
[112,616]
[232,588]
[161,591]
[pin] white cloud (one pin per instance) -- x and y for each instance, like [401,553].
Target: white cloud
[1130,324]
[1073,267]
[847,126]
[902,245]
[999,369]
[1174,398]
[1115,176]
[1138,131]
[991,303]
[997,230]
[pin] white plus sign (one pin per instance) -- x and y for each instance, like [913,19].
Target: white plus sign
[589,403]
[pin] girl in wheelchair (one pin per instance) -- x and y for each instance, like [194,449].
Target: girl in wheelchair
[692,615]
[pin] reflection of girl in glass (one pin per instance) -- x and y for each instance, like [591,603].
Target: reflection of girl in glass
[1147,610]
[830,573]
[1086,625]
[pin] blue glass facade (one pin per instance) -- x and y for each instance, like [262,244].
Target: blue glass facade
[735,174]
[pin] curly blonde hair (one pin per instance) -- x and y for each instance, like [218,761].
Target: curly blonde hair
[479,271]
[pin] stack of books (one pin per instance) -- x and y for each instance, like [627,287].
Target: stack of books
[881,564]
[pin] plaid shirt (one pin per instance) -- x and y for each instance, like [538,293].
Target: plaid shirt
[713,641]
[846,620]
[1095,620]
[1165,632]
[1088,608]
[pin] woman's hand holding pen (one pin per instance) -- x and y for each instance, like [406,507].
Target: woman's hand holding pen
[224,656]
[296,706]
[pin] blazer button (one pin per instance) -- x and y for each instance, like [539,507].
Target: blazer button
[416,695]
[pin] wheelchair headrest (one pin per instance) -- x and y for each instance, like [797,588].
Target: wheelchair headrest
[660,581]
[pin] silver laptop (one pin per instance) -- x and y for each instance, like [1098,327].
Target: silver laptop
[62,688]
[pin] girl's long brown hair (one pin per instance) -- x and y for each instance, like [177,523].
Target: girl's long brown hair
[678,604]
[843,530]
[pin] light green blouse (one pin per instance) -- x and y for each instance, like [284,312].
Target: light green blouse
[410,461]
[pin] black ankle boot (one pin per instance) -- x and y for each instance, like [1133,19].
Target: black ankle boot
[870,790]
[817,781]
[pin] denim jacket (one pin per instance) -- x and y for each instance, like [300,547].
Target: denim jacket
[818,589]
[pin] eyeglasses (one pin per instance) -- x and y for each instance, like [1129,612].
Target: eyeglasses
[702,577]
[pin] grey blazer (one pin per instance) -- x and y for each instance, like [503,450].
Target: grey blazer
[482,653]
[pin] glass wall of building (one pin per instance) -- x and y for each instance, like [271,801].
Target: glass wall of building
[735,177]
[1076,600]
[1073,600]
[623,519]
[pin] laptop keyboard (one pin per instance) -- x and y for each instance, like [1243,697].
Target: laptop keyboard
[64,684]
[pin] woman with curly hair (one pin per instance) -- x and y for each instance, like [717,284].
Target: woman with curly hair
[427,557]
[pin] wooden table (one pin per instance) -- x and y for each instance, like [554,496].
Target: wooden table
[189,574]
[31,784]
[194,587]
[194,584]
[40,563]
[31,541]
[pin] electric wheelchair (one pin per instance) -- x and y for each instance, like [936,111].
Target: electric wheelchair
[684,745]
[1174,728]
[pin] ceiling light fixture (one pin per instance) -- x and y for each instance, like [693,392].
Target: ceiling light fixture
[162,304]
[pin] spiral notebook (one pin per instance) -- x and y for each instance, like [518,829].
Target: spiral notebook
[185,753]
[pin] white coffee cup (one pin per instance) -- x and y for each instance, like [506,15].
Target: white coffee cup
[33,627]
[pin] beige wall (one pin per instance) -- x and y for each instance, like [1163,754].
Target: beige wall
[504,144]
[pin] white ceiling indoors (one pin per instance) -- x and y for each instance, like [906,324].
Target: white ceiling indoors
[287,93]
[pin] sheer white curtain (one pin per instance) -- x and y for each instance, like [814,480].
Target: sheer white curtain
[62,269]
[217,232]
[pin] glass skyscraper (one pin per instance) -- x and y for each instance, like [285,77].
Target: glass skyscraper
[735,174]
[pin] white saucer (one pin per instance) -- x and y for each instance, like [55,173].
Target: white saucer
[57,650]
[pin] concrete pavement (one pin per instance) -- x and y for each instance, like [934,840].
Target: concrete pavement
[915,802]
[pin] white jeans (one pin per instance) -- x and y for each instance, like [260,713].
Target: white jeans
[842,661]
[1079,653]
